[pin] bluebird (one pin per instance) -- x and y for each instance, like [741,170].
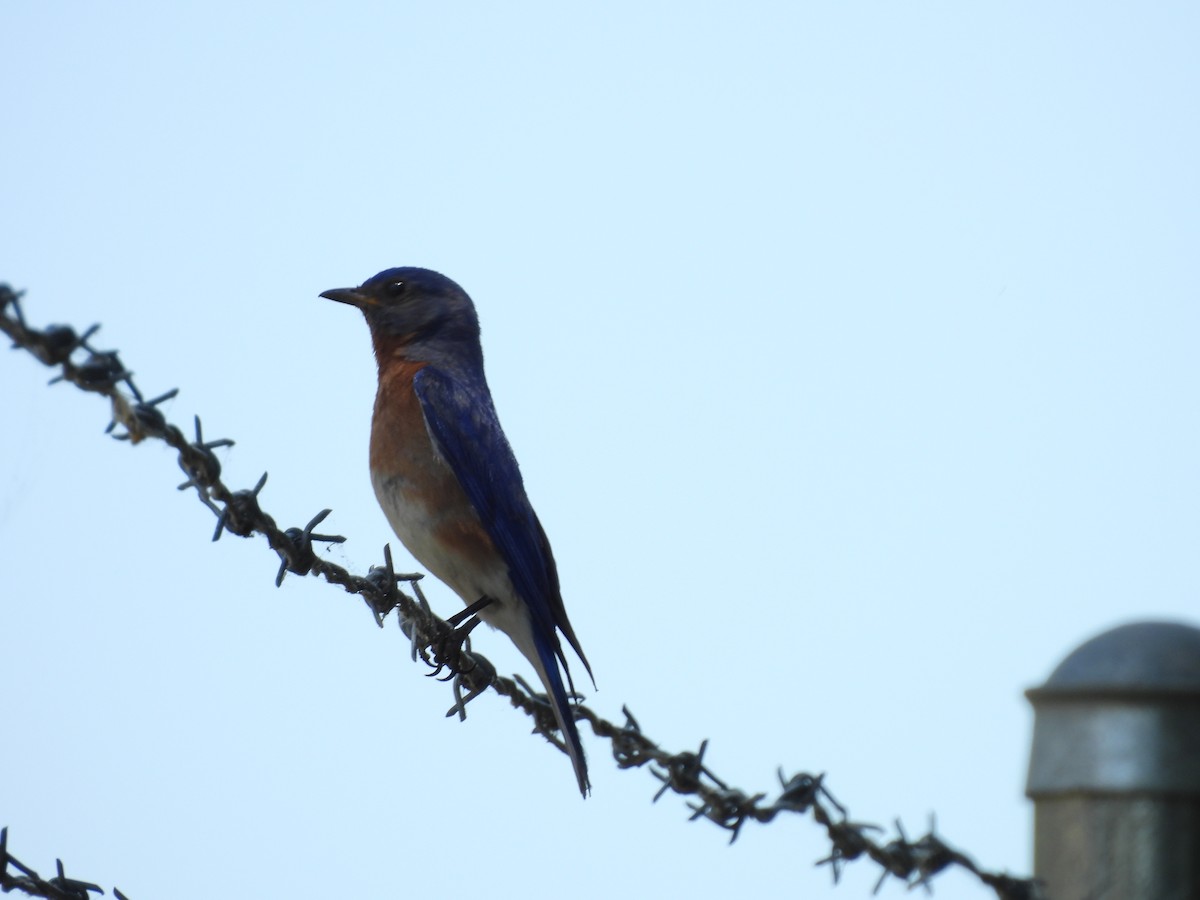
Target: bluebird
[447,479]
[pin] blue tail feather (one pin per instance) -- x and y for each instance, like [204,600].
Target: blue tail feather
[562,710]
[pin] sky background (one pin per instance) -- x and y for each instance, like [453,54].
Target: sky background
[849,352]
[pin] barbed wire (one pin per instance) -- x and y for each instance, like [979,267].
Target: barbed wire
[444,650]
[60,887]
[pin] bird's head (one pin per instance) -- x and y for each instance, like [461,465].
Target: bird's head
[416,313]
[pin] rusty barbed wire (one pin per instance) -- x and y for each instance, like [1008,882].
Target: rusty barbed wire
[444,649]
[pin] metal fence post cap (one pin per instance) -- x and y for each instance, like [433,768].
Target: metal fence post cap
[1121,715]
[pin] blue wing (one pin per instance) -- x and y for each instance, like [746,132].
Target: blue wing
[466,430]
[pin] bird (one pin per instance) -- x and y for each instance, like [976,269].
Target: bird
[448,482]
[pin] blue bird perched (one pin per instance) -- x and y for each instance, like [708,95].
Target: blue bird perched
[447,479]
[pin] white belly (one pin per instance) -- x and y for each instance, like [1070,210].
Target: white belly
[416,523]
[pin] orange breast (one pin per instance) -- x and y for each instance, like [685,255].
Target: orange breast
[420,493]
[399,437]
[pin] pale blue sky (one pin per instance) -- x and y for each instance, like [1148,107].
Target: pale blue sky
[849,352]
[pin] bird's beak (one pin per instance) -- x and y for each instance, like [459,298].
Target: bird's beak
[353,296]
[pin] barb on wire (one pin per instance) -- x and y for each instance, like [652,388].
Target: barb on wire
[442,648]
[29,882]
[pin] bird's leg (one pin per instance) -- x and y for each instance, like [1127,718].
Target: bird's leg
[459,617]
[450,650]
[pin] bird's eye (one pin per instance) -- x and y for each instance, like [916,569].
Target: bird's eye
[397,289]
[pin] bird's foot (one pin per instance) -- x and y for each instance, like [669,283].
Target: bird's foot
[452,649]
